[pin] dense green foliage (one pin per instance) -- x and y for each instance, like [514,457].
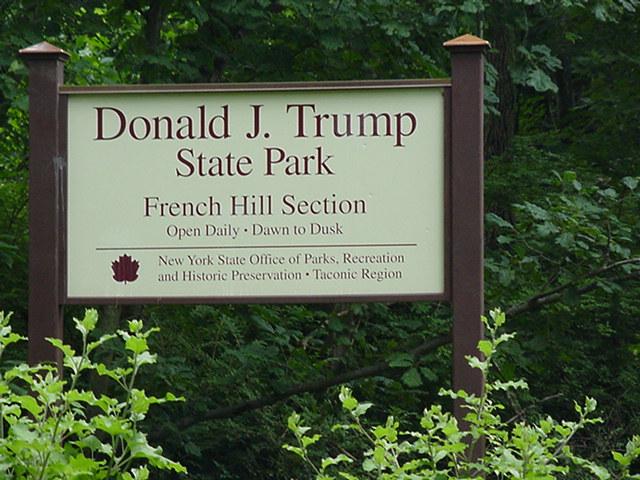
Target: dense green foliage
[441,449]
[563,245]
[51,428]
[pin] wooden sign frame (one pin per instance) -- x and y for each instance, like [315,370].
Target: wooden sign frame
[463,189]
[345,87]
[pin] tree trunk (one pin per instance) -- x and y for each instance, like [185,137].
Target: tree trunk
[152,29]
[501,128]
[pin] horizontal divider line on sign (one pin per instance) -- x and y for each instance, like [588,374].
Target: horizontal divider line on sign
[215,247]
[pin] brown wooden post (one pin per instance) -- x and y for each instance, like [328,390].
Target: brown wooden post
[46,73]
[467,208]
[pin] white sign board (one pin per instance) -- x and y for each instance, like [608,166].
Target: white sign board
[263,195]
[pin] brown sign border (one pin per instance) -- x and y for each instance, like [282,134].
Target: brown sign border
[443,84]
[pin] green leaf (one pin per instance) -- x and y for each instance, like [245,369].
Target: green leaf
[348,401]
[475,362]
[28,403]
[79,467]
[293,421]
[308,441]
[510,385]
[569,176]
[117,374]
[111,425]
[498,316]
[10,338]
[368,465]
[428,374]
[331,461]
[94,444]
[103,339]
[630,182]
[136,345]
[135,326]
[146,358]
[600,472]
[65,349]
[297,450]
[566,240]
[541,82]
[621,459]
[400,360]
[140,448]
[486,347]
[504,239]
[411,378]
[21,431]
[493,219]
[140,403]
[379,455]
[88,323]
[348,476]
[591,404]
[361,409]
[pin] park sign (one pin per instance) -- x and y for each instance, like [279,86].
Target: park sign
[267,193]
[304,192]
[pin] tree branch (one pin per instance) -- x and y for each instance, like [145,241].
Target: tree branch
[555,294]
[312,386]
[539,300]
[523,411]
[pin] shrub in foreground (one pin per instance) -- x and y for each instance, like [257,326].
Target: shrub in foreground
[442,450]
[50,428]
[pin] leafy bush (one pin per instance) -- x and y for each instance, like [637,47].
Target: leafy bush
[51,428]
[578,232]
[443,450]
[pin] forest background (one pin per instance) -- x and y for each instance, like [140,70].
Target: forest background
[562,224]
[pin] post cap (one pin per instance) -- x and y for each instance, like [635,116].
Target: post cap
[467,41]
[43,50]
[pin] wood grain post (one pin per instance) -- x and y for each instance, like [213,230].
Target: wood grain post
[46,163]
[467,209]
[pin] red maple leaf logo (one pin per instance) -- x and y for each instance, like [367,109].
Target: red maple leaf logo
[125,269]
